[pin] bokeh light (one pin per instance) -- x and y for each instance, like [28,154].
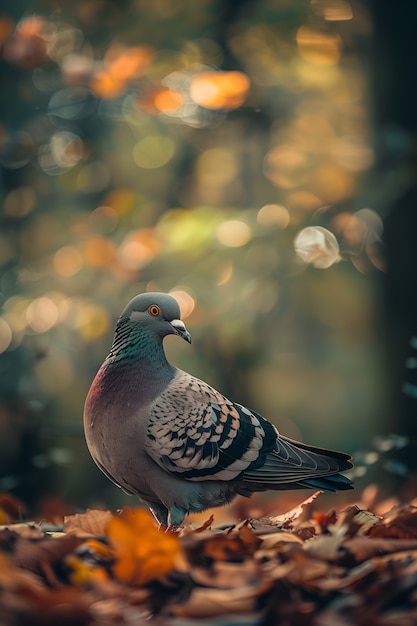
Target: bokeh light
[273,215]
[153,151]
[318,46]
[318,246]
[42,314]
[233,233]
[5,335]
[185,300]
[19,202]
[220,90]
[67,261]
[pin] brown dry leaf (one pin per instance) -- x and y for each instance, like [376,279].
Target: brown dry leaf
[306,569]
[235,544]
[225,575]
[407,559]
[325,547]
[399,618]
[205,526]
[191,529]
[143,552]
[205,603]
[66,606]
[305,530]
[31,530]
[248,537]
[39,555]
[82,574]
[350,578]
[400,523]
[277,540]
[363,548]
[25,599]
[93,523]
[13,578]
[285,520]
[11,509]
[358,520]
[324,520]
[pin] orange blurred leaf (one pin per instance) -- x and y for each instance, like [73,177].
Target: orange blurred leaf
[143,552]
[83,574]
[220,90]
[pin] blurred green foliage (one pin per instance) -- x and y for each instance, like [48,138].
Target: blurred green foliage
[181,146]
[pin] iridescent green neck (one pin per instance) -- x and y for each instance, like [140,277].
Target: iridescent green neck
[137,345]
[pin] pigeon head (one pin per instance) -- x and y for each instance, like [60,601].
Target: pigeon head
[156,314]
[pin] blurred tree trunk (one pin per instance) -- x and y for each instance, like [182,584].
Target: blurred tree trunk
[393,58]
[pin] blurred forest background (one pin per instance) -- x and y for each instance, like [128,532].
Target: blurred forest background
[254,158]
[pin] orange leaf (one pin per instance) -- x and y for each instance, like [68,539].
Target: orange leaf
[83,574]
[220,90]
[143,552]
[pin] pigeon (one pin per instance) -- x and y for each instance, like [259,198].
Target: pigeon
[174,441]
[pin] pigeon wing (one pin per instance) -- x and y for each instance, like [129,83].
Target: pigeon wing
[198,434]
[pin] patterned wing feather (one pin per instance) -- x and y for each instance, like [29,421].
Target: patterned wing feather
[198,434]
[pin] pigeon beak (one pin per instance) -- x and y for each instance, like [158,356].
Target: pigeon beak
[179,329]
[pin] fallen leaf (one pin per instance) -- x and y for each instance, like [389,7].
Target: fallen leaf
[285,520]
[205,526]
[235,544]
[350,578]
[205,603]
[325,519]
[30,530]
[143,552]
[226,575]
[306,569]
[36,555]
[325,547]
[400,523]
[82,574]
[363,548]
[12,509]
[277,540]
[93,523]
[358,520]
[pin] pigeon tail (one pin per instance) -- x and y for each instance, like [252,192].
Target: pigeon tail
[337,482]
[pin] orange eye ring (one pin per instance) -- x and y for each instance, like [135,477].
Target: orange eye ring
[154,310]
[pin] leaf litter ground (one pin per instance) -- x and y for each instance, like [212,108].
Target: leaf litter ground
[347,567]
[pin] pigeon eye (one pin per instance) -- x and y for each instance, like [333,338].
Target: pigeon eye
[154,310]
